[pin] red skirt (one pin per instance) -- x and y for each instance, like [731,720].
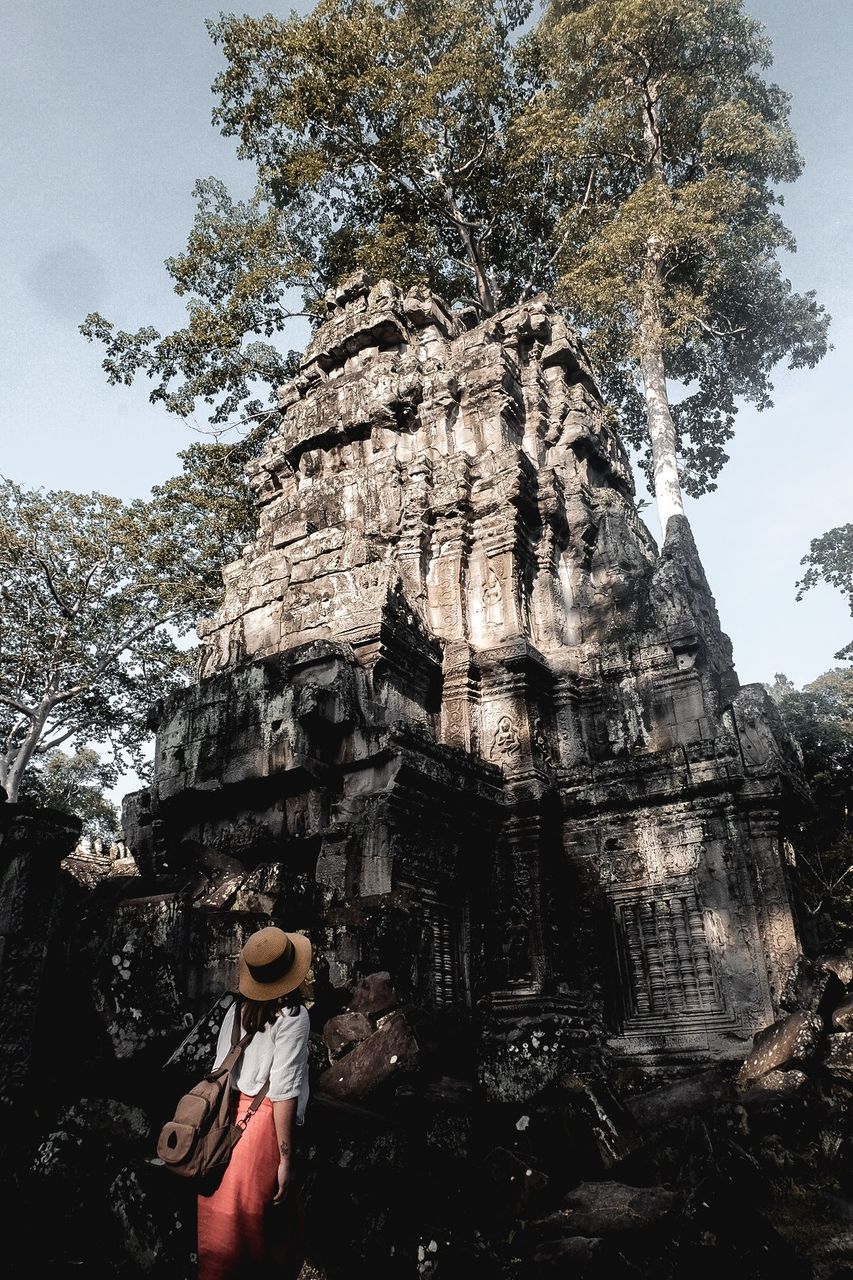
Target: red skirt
[241,1233]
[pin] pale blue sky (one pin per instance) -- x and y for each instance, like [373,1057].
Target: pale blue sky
[106,109]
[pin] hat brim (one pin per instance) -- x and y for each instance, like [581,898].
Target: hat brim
[289,981]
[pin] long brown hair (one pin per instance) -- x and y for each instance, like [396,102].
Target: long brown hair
[256,1014]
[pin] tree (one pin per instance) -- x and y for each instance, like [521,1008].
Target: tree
[95,595]
[75,784]
[830,560]
[820,719]
[630,149]
[381,137]
[658,114]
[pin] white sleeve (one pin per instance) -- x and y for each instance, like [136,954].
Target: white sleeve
[223,1044]
[290,1056]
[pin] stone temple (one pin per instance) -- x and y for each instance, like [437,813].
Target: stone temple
[459,717]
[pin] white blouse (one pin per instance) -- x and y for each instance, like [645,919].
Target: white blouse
[279,1053]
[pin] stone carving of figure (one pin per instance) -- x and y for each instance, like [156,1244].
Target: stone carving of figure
[505,742]
[541,743]
[98,847]
[493,600]
[515,947]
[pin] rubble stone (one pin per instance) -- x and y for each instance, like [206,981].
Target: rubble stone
[669,1103]
[342,1032]
[838,1058]
[779,1083]
[842,1016]
[605,1208]
[841,965]
[391,1049]
[789,1040]
[373,995]
[812,986]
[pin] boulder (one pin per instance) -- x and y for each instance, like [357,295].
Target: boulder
[576,1256]
[344,1031]
[373,995]
[813,987]
[589,1107]
[672,1102]
[605,1208]
[838,1058]
[791,1040]
[842,1017]
[778,1083]
[390,1050]
[841,965]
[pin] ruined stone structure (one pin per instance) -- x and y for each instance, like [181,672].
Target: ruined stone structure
[460,718]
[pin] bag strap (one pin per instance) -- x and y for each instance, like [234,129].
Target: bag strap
[237,1023]
[238,1044]
[254,1104]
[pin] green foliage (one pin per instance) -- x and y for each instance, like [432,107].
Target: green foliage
[630,150]
[657,114]
[94,595]
[380,136]
[820,719]
[75,784]
[830,560]
[241,267]
[202,517]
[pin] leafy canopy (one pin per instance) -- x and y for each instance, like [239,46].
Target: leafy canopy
[820,718]
[830,560]
[435,142]
[94,596]
[75,784]
[380,138]
[657,115]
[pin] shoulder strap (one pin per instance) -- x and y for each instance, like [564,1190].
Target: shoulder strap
[236,1024]
[254,1104]
[238,1043]
[230,1061]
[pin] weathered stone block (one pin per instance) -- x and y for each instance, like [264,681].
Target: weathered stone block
[842,1016]
[391,1050]
[606,1208]
[812,986]
[681,1098]
[841,965]
[373,995]
[344,1031]
[839,1054]
[790,1040]
[590,1105]
[780,1084]
[583,1257]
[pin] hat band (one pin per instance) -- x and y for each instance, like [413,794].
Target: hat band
[273,969]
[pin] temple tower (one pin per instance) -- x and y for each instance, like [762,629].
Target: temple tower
[460,717]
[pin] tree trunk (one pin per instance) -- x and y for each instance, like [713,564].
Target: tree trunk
[16,769]
[662,434]
[485,292]
[484,288]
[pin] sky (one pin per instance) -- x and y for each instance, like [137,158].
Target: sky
[106,107]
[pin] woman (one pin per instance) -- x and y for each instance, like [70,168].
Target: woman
[252,1223]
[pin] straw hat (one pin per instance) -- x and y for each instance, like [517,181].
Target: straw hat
[272,963]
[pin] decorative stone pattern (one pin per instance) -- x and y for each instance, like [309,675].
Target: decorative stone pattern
[461,719]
